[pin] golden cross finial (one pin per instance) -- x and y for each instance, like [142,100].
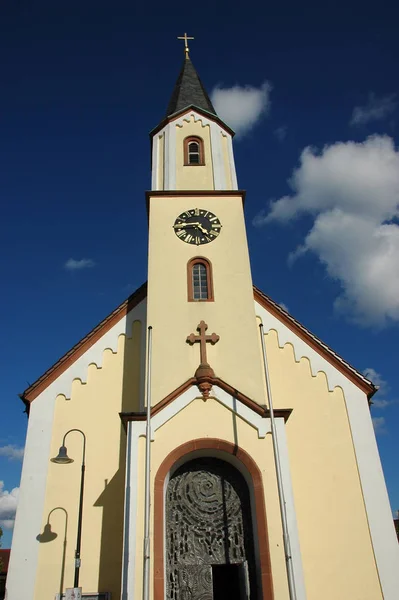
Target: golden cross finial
[185,37]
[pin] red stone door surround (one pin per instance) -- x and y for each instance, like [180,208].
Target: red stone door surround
[266,593]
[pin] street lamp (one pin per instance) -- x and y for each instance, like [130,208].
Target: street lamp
[63,459]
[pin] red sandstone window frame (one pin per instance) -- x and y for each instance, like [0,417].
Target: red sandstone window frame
[209,277]
[200,142]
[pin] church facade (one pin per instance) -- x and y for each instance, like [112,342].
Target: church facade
[254,475]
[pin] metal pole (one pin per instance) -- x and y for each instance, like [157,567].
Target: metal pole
[80,512]
[283,510]
[79,535]
[147,500]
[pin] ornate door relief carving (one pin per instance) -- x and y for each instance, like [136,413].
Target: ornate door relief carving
[208,522]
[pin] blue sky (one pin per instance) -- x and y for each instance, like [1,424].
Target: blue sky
[312,92]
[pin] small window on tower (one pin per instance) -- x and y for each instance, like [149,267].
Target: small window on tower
[193,151]
[200,282]
[199,273]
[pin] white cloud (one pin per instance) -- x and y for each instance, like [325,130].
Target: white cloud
[377,379]
[376,109]
[8,506]
[241,107]
[379,425]
[12,452]
[351,190]
[76,265]
[380,400]
[281,133]
[283,306]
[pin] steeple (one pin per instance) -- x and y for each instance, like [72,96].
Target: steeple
[189,91]
[192,147]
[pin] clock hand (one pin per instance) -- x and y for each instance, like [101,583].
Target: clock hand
[185,225]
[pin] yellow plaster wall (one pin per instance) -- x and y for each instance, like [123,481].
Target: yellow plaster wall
[94,407]
[211,419]
[235,358]
[193,177]
[336,547]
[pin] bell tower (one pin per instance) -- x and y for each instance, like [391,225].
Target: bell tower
[191,134]
[198,266]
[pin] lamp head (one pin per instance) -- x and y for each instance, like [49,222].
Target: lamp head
[47,535]
[62,458]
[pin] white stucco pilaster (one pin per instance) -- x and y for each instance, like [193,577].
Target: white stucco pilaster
[22,568]
[135,430]
[376,500]
[233,171]
[170,156]
[219,176]
[293,533]
[155,163]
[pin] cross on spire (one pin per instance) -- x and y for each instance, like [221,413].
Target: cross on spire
[202,338]
[185,37]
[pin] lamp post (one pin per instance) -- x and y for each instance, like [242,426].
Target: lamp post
[63,459]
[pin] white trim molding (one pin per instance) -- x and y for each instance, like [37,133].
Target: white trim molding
[22,569]
[219,175]
[376,500]
[155,161]
[233,171]
[136,429]
[299,577]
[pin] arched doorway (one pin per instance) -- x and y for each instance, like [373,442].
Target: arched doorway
[209,536]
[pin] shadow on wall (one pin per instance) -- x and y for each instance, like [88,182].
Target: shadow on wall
[112,498]
[48,535]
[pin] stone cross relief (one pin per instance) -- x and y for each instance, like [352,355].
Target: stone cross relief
[204,374]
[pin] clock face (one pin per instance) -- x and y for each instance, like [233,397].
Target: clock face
[197,226]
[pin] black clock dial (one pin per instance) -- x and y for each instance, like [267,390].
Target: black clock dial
[197,226]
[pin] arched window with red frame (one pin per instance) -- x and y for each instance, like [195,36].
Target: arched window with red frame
[199,280]
[194,151]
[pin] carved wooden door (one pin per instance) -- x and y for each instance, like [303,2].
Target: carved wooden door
[208,523]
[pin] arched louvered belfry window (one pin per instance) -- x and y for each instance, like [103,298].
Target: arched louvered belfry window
[194,151]
[199,280]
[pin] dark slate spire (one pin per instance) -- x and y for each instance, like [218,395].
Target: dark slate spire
[189,91]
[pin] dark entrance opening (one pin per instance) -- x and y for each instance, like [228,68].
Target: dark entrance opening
[227,582]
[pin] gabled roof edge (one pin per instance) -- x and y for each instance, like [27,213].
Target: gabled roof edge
[134,299]
[187,109]
[84,344]
[332,357]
